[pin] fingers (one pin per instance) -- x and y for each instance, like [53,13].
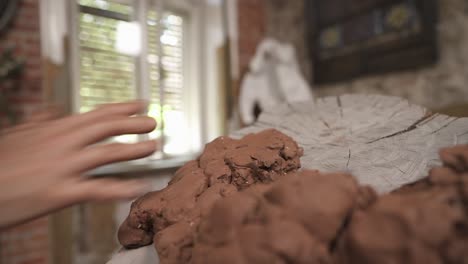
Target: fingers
[126,108]
[98,131]
[117,109]
[103,112]
[49,113]
[76,122]
[100,155]
[107,189]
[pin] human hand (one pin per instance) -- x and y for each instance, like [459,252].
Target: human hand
[43,161]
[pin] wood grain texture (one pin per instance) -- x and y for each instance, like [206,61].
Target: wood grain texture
[383,141]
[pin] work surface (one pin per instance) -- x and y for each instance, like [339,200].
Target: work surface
[383,141]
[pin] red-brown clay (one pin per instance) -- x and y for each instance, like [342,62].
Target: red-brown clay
[169,217]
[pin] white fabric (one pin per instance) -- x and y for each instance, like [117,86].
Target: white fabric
[274,78]
[143,255]
[54,29]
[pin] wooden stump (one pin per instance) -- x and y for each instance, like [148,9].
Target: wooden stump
[383,141]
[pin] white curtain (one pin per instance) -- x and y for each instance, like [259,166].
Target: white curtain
[54,24]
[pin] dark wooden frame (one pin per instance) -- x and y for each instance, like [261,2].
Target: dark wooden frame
[405,53]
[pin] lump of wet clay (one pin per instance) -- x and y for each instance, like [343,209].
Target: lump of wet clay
[327,218]
[424,222]
[170,217]
[294,220]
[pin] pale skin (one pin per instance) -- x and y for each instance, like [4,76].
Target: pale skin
[43,161]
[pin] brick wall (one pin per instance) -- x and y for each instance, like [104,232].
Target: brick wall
[26,244]
[24,36]
[29,243]
[252,28]
[286,22]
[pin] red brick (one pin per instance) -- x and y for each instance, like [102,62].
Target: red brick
[28,12]
[24,100]
[28,243]
[38,260]
[252,23]
[33,62]
[31,3]
[27,25]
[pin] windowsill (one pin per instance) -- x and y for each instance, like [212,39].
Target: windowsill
[142,166]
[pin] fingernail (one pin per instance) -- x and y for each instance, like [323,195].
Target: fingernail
[151,121]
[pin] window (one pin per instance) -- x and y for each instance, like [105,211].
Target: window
[120,59]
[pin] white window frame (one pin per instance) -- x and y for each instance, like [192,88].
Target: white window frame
[194,75]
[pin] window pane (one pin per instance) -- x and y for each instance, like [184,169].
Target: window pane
[109,76]
[170,79]
[106,76]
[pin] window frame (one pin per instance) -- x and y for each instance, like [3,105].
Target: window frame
[191,93]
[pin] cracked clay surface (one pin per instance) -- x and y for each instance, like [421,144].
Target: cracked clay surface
[169,217]
[328,218]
